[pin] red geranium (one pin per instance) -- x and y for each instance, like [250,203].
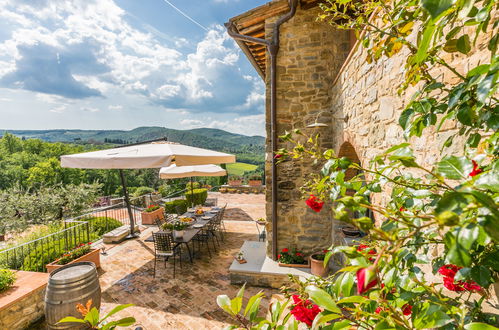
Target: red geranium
[304,310]
[407,309]
[449,272]
[314,203]
[285,250]
[476,169]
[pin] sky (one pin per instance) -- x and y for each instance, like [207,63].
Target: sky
[121,64]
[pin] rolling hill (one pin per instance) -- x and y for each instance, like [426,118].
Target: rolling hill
[248,149]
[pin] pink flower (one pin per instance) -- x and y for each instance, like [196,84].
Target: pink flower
[476,169]
[314,203]
[366,279]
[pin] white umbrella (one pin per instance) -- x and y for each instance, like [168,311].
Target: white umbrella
[174,172]
[150,154]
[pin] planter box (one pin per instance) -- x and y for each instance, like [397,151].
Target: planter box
[149,217]
[307,265]
[92,256]
[235,182]
[255,183]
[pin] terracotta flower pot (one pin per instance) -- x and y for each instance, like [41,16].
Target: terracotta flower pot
[235,182]
[255,183]
[317,267]
[92,256]
[149,217]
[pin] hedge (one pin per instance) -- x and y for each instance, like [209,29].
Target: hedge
[196,197]
[101,225]
[171,207]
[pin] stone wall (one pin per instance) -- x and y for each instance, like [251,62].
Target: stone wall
[307,64]
[23,304]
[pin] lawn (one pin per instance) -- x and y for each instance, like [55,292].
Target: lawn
[240,168]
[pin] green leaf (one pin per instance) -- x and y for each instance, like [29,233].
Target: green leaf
[465,114]
[224,302]
[491,227]
[322,298]
[124,322]
[459,256]
[479,70]
[116,310]
[321,319]
[72,319]
[424,44]
[251,302]
[463,44]
[481,275]
[92,317]
[484,88]
[437,7]
[488,180]
[342,325]
[479,326]
[352,299]
[454,168]
[405,117]
[473,140]
[468,235]
[451,46]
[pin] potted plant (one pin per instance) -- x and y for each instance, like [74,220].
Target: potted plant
[317,267]
[235,180]
[151,213]
[255,180]
[292,258]
[177,227]
[82,252]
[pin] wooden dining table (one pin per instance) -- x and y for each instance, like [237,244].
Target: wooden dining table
[190,232]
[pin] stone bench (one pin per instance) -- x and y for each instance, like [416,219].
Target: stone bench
[117,235]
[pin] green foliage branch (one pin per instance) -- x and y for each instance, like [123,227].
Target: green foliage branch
[442,218]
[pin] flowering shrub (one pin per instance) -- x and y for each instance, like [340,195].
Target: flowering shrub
[314,203]
[152,208]
[433,249]
[304,310]
[291,257]
[75,253]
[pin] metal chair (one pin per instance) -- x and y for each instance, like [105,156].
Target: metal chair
[164,248]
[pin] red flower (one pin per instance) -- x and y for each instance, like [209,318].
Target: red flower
[277,156]
[402,209]
[472,286]
[304,310]
[378,310]
[453,286]
[325,251]
[278,256]
[407,309]
[298,254]
[449,270]
[314,203]
[285,250]
[366,279]
[476,169]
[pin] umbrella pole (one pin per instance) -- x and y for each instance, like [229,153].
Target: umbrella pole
[127,202]
[192,194]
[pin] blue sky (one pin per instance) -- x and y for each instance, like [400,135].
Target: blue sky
[120,64]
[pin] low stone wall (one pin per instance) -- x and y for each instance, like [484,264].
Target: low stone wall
[22,305]
[244,189]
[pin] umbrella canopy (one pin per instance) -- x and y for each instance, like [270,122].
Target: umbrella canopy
[174,172]
[151,155]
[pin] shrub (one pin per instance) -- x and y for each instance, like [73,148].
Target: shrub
[101,225]
[195,185]
[171,207]
[47,252]
[234,178]
[140,191]
[255,177]
[7,279]
[196,197]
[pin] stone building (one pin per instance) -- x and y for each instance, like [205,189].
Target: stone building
[321,74]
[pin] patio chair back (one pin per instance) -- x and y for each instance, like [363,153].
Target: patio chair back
[163,243]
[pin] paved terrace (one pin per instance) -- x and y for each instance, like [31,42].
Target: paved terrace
[189,300]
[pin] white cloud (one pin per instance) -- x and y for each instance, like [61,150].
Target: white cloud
[89,109]
[115,107]
[191,123]
[59,109]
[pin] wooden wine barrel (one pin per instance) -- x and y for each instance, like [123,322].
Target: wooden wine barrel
[68,286]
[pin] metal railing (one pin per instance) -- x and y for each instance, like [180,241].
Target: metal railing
[34,255]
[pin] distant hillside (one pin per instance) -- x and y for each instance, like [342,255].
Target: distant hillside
[248,148]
